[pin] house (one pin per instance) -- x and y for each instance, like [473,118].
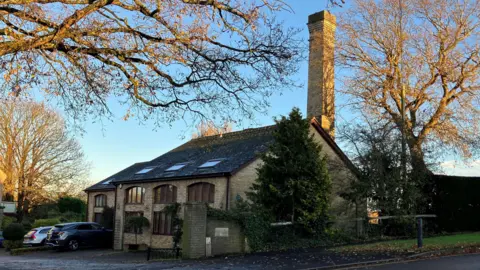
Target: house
[219,169]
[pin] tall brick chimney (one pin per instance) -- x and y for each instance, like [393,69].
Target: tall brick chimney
[321,94]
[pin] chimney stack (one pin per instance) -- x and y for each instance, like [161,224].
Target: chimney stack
[321,86]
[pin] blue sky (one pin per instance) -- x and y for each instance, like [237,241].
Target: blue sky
[113,145]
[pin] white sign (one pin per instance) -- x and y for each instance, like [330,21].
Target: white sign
[221,232]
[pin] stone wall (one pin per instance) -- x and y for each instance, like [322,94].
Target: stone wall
[226,237]
[91,203]
[122,240]
[194,230]
[241,182]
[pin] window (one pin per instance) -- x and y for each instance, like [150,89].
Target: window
[98,218]
[135,195]
[132,214]
[100,200]
[201,192]
[162,223]
[210,163]
[84,227]
[176,167]
[145,170]
[44,231]
[165,194]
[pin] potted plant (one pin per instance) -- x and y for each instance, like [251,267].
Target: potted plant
[136,224]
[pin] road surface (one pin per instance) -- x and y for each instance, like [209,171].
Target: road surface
[465,262]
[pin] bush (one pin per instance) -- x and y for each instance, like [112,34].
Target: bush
[7,221]
[70,216]
[71,204]
[45,222]
[14,231]
[12,244]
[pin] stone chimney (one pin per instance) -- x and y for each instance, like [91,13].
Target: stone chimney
[321,93]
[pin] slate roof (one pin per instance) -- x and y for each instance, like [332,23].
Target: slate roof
[235,149]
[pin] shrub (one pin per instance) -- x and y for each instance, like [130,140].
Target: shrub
[12,244]
[7,221]
[45,222]
[14,231]
[70,216]
[70,204]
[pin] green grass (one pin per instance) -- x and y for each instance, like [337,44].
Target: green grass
[429,244]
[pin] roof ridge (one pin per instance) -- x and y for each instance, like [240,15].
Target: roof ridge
[234,133]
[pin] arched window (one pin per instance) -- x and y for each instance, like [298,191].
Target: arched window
[201,192]
[100,200]
[135,195]
[165,194]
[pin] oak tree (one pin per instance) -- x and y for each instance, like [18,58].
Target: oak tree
[38,156]
[430,49]
[164,59]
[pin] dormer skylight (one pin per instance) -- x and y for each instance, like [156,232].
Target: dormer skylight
[145,170]
[210,163]
[176,167]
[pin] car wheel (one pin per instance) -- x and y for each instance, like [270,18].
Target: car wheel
[73,245]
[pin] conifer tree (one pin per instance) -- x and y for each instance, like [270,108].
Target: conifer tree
[293,184]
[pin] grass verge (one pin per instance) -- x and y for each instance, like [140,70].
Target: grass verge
[466,240]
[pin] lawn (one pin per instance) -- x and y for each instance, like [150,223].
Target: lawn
[432,243]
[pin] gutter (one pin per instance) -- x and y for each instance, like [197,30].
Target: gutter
[131,181]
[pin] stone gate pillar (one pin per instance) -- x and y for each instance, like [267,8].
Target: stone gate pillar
[194,230]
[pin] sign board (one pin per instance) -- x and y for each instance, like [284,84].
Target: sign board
[221,232]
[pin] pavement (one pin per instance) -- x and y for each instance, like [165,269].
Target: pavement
[297,259]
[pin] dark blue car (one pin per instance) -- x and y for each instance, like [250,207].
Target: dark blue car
[77,234]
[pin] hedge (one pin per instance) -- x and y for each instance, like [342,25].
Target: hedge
[45,222]
[457,203]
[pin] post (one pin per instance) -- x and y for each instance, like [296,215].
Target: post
[419,232]
[149,250]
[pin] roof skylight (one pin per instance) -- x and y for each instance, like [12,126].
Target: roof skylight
[210,163]
[145,170]
[107,182]
[176,167]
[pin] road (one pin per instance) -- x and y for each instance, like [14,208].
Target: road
[108,259]
[465,262]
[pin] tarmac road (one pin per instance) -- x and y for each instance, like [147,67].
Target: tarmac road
[463,262]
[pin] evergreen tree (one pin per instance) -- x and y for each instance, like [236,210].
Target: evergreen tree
[293,184]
